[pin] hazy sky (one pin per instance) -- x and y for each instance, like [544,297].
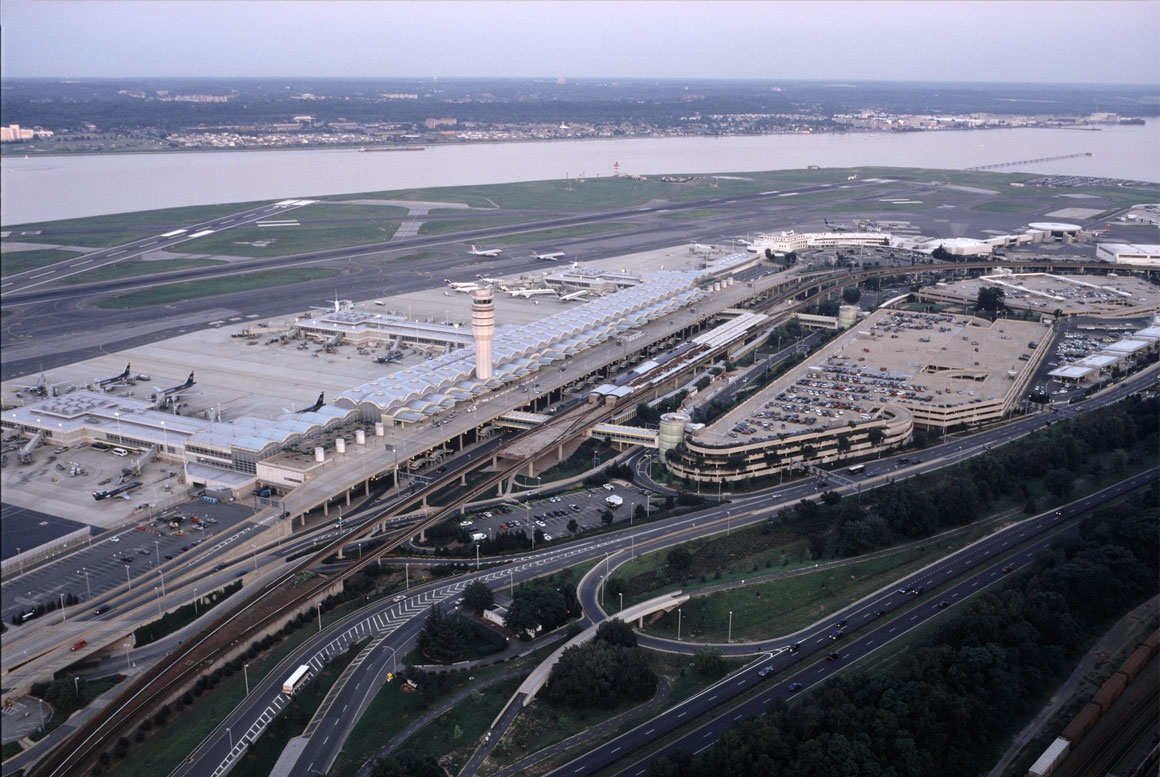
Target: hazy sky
[1070,41]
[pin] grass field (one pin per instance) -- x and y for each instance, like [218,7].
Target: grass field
[245,282]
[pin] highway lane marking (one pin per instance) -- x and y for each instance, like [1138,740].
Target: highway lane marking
[78,264]
[50,272]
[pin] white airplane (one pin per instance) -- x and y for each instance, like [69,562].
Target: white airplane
[548,257]
[485,251]
[462,286]
[528,293]
[488,281]
[576,295]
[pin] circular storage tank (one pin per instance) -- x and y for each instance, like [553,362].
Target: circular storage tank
[340,445]
[319,454]
[379,431]
[360,436]
[672,431]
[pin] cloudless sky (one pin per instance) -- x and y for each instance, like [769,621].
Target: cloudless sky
[1099,41]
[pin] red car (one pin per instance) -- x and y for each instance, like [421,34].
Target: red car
[79,645]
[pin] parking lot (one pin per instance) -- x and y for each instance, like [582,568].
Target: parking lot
[552,513]
[130,555]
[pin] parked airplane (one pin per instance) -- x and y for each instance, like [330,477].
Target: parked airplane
[165,395]
[43,388]
[574,296]
[485,251]
[393,356]
[488,281]
[548,257]
[838,227]
[124,376]
[465,286]
[528,293]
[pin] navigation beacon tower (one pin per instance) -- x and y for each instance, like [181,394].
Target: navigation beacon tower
[482,329]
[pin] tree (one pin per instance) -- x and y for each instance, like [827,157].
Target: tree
[851,295]
[600,674]
[606,517]
[537,606]
[639,512]
[1059,482]
[680,561]
[991,298]
[616,632]
[477,597]
[709,661]
[444,637]
[406,763]
[573,526]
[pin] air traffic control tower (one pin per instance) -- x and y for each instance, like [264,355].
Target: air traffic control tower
[483,329]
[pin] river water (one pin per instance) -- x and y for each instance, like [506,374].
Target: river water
[51,188]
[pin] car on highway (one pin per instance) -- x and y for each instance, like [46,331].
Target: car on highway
[832,656]
[1005,570]
[840,624]
[765,671]
[879,613]
[114,539]
[943,604]
[794,687]
[795,647]
[399,598]
[104,608]
[79,645]
[837,635]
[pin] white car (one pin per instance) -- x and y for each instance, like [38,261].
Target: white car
[114,539]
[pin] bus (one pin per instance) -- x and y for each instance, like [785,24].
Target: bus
[296,680]
[857,469]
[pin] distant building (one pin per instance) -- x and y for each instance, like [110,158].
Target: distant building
[14,133]
[1129,253]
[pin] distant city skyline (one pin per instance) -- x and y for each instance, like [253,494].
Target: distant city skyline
[1048,41]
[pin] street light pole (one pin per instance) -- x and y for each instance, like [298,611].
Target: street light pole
[319,606]
[88,588]
[246,674]
[195,602]
[127,579]
[162,573]
[621,595]
[678,624]
[730,638]
[231,736]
